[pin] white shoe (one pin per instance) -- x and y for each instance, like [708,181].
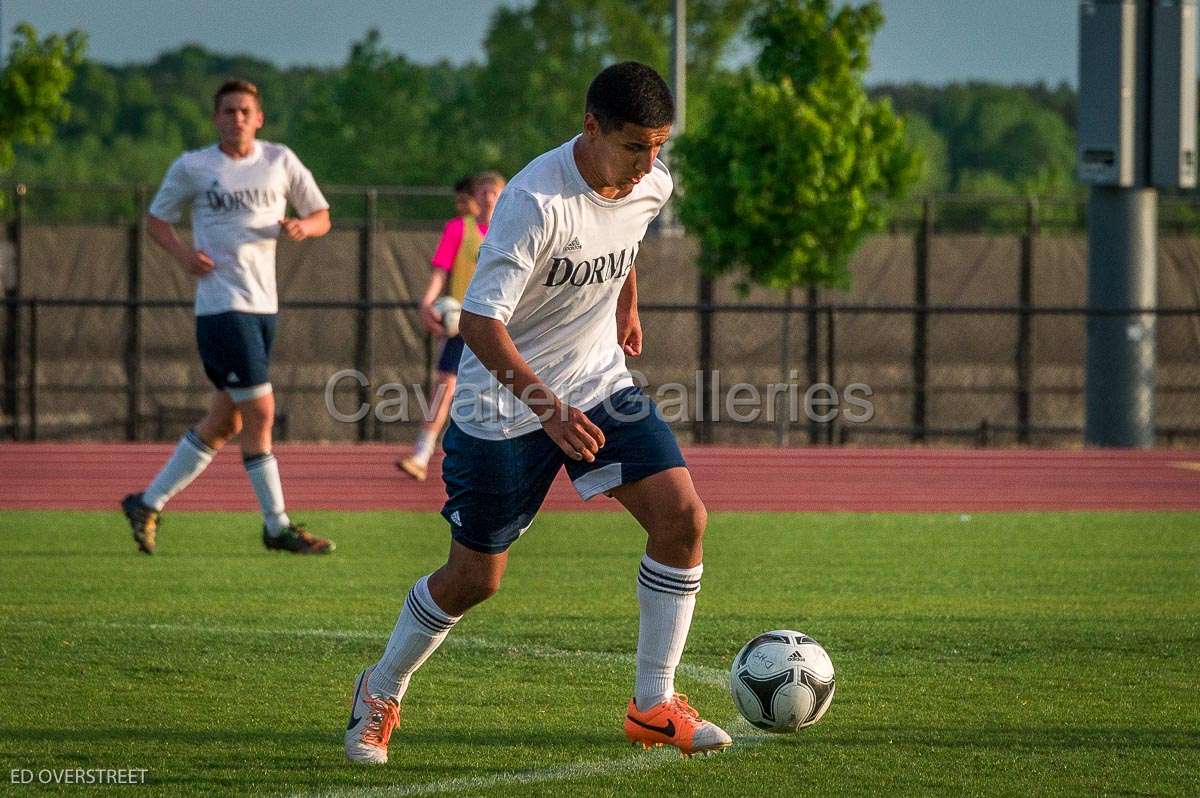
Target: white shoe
[414,467]
[372,718]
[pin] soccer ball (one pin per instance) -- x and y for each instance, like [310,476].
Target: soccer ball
[782,681]
[448,309]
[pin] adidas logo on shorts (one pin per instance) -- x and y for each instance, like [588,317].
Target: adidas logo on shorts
[233,377]
[455,518]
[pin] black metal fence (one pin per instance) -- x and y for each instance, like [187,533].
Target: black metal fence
[820,319]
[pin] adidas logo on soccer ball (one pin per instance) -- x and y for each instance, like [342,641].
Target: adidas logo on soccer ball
[782,681]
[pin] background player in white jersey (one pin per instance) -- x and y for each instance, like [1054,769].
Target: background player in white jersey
[552,312]
[238,190]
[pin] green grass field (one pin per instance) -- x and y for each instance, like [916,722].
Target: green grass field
[1053,654]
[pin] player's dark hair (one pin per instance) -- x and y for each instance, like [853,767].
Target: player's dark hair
[465,185]
[630,92]
[236,87]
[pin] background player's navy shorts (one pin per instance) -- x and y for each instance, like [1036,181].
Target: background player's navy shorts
[452,351]
[236,348]
[494,488]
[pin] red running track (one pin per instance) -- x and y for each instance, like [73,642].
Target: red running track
[88,476]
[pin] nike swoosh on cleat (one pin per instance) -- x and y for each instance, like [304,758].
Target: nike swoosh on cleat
[668,730]
[354,719]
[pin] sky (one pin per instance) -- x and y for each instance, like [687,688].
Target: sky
[934,41]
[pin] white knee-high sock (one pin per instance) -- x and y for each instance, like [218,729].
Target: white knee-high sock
[666,597]
[420,629]
[263,471]
[190,458]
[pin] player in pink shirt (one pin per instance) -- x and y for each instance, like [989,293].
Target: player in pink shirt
[453,266]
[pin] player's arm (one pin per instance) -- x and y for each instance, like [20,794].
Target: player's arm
[437,284]
[567,426]
[315,225]
[629,325]
[163,233]
[177,189]
[312,211]
[442,263]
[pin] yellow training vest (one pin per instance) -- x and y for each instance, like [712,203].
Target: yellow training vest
[464,260]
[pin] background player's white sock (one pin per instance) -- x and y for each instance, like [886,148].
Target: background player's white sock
[263,471]
[666,597]
[191,456]
[420,629]
[423,448]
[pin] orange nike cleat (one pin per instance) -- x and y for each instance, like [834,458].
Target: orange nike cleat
[674,723]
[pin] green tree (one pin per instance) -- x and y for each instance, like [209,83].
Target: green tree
[932,151]
[32,85]
[541,58]
[371,121]
[794,165]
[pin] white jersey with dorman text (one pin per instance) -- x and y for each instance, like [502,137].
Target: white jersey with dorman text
[237,204]
[551,269]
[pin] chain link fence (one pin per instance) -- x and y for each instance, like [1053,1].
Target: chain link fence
[966,324]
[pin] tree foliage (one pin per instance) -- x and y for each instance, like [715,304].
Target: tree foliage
[32,87]
[792,168]
[381,118]
[1003,140]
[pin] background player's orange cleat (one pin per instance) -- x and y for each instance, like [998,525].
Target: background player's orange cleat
[674,723]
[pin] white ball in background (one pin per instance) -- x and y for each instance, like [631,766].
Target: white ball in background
[448,310]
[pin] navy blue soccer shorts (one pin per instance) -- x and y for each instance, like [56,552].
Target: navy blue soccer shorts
[494,488]
[235,348]
[452,351]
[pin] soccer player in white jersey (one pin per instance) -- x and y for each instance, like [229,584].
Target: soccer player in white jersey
[238,190]
[548,320]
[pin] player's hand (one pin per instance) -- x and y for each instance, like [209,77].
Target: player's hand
[293,229]
[574,432]
[199,263]
[431,320]
[629,334]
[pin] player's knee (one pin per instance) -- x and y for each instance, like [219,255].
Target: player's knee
[488,588]
[256,422]
[693,520]
[480,587]
[686,521]
[215,430]
[229,426]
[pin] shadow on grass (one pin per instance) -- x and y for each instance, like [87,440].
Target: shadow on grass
[479,738]
[1032,738]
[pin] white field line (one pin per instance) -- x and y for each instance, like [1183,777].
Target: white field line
[713,677]
[744,734]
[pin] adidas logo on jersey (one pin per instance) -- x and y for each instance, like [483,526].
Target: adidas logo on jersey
[574,246]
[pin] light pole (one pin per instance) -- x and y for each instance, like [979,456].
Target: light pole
[1137,134]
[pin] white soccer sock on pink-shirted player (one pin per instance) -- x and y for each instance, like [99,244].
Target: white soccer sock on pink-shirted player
[426,444]
[191,456]
[420,629]
[666,597]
